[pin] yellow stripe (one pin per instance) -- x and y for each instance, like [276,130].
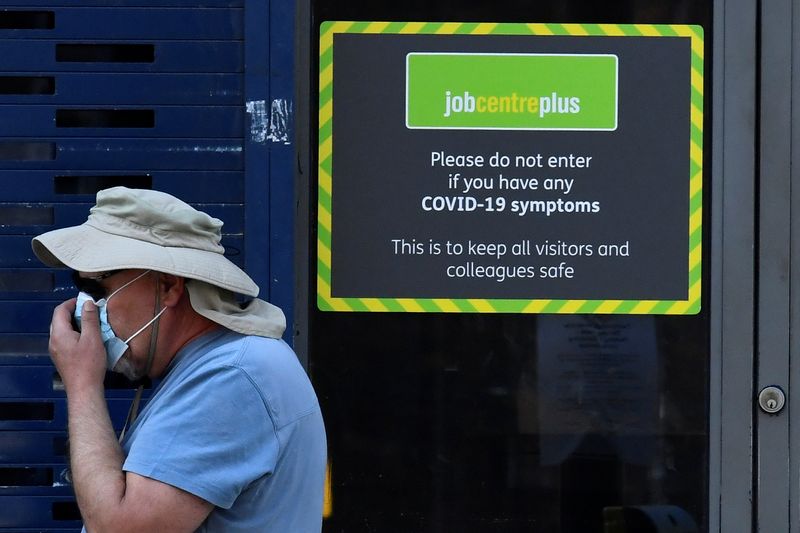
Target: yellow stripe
[680,308]
[540,29]
[409,305]
[448,28]
[697,118]
[446,305]
[697,81]
[571,306]
[694,291]
[696,154]
[484,28]
[325,112]
[376,27]
[695,184]
[697,46]
[325,149]
[697,42]
[324,217]
[326,77]
[327,494]
[325,42]
[612,29]
[373,304]
[324,253]
[608,306]
[644,307]
[695,256]
[338,304]
[575,29]
[324,290]
[412,27]
[695,220]
[648,30]
[326,39]
[325,181]
[535,306]
[482,306]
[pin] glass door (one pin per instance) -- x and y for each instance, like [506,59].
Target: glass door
[610,405]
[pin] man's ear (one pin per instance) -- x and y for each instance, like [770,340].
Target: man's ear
[172,288]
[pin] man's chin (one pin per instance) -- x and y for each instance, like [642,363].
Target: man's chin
[127,369]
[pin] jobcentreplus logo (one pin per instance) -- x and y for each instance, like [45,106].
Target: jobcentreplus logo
[513,103]
[466,90]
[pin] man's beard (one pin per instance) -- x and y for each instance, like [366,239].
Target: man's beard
[126,367]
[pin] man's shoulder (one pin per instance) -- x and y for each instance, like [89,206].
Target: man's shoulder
[229,348]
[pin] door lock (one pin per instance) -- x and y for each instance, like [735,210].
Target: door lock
[771,399]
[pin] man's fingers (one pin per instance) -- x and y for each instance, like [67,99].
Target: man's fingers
[90,322]
[89,312]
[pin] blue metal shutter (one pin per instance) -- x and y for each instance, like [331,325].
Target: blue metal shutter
[174,95]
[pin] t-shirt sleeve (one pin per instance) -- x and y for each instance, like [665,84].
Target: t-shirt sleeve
[211,437]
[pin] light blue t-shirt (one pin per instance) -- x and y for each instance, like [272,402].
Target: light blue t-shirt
[236,422]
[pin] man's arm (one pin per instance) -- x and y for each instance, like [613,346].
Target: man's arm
[110,499]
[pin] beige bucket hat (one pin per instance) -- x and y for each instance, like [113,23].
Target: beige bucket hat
[136,228]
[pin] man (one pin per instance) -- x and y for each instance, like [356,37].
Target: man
[232,439]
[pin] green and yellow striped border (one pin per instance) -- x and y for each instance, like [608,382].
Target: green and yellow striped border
[326,302]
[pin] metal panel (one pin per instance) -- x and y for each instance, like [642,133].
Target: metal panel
[167,56]
[70,185]
[282,161]
[49,414]
[72,214]
[128,3]
[46,512]
[122,23]
[180,63]
[17,251]
[128,154]
[139,88]
[179,122]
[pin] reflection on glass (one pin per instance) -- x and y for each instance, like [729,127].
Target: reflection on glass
[571,424]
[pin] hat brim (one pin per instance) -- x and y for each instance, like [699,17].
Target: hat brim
[87,249]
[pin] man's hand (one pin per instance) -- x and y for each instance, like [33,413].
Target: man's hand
[79,357]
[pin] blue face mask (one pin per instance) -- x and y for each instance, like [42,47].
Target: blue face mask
[115,347]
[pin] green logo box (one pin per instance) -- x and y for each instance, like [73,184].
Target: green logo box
[511,91]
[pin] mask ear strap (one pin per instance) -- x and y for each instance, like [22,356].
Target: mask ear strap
[140,276]
[133,412]
[154,332]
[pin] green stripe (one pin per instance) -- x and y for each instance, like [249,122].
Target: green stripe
[466,28]
[392,305]
[359,27]
[509,306]
[324,271]
[430,27]
[666,30]
[324,235]
[590,306]
[325,59]
[464,306]
[394,27]
[662,307]
[630,30]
